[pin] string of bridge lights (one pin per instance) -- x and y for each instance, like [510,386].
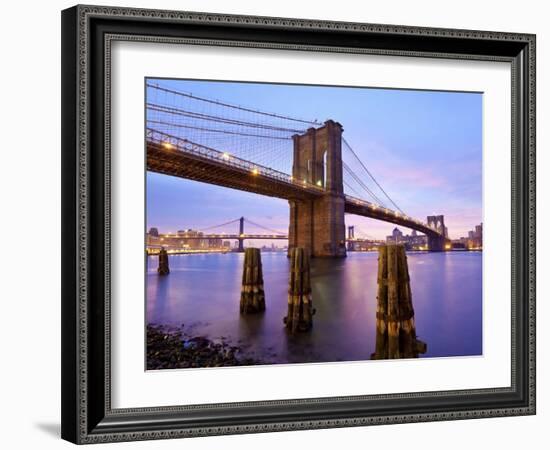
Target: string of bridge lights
[171,119]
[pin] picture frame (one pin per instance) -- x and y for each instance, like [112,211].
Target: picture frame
[87,413]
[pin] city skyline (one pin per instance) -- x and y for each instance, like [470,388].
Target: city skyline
[472,235]
[423,146]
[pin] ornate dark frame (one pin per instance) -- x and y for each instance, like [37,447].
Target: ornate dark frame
[87,32]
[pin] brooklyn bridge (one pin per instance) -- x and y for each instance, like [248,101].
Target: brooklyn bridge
[308,163]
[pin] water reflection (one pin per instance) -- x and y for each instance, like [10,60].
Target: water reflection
[402,345]
[203,292]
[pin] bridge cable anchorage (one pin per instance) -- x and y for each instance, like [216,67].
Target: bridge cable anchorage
[229,105]
[371,176]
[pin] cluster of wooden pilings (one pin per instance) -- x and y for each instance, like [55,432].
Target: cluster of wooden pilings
[395,327]
[252,290]
[300,308]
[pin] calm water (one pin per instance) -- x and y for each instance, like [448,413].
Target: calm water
[203,292]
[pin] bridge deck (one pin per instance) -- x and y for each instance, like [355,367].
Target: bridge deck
[365,209]
[187,160]
[223,170]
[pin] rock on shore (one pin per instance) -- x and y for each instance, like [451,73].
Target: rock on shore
[172,348]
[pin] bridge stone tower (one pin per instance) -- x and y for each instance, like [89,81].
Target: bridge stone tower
[318,224]
[437,243]
[351,235]
[240,249]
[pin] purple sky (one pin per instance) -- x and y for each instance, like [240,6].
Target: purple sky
[424,148]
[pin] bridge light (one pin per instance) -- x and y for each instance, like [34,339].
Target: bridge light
[305,181]
[167,145]
[255,171]
[225,156]
[319,183]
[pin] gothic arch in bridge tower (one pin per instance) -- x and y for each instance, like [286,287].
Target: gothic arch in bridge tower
[318,224]
[437,243]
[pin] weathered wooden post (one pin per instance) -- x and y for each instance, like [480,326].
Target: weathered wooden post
[252,290]
[164,266]
[300,308]
[395,327]
[381,350]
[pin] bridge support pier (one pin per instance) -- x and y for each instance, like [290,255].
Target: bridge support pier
[351,235]
[436,243]
[318,224]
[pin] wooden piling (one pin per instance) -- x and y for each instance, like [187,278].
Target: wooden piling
[395,327]
[164,266]
[300,308]
[252,290]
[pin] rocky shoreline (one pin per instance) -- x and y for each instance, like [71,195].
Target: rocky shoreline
[174,348]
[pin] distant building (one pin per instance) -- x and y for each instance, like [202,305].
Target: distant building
[153,231]
[474,239]
[396,236]
[412,241]
[479,231]
[215,243]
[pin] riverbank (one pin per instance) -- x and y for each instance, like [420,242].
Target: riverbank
[174,348]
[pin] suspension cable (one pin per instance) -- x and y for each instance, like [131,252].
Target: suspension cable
[363,185]
[220,225]
[370,174]
[228,105]
[214,130]
[213,118]
[263,227]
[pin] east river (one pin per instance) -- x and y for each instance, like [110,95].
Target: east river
[202,292]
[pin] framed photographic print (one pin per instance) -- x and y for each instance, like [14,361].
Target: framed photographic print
[277,224]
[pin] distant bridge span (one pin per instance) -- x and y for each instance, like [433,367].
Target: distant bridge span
[235,236]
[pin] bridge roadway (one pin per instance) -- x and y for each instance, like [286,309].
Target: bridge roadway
[181,158]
